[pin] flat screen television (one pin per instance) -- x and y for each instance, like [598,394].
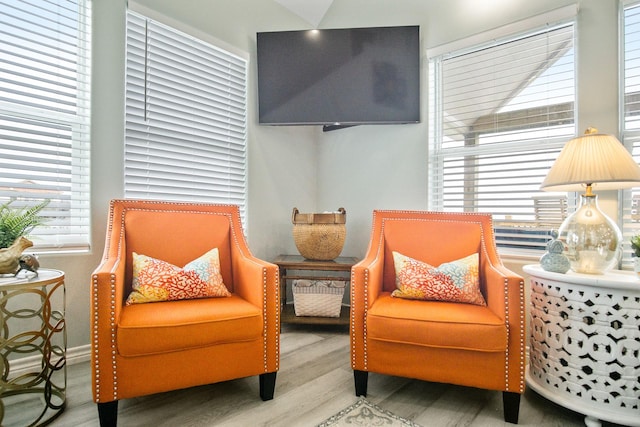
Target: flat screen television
[339,77]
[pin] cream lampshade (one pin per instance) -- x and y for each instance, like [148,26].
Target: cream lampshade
[592,240]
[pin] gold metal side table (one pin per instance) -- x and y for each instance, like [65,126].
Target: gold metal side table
[33,342]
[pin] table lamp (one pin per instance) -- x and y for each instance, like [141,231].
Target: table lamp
[592,240]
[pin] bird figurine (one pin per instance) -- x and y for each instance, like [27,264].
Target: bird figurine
[554,259]
[30,263]
[10,257]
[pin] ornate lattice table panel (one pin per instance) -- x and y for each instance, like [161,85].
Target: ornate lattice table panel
[32,328]
[585,343]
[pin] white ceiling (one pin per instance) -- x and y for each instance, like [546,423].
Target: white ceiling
[311,11]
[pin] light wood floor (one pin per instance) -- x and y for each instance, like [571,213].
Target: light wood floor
[314,382]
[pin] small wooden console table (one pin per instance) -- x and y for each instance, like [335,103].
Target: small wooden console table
[585,340]
[294,267]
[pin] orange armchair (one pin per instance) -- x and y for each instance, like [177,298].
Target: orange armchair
[140,349]
[448,342]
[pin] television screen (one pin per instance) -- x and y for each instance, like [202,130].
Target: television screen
[339,76]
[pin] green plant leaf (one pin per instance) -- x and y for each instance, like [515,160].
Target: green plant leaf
[16,222]
[635,245]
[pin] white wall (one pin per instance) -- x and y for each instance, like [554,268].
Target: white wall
[384,167]
[360,168]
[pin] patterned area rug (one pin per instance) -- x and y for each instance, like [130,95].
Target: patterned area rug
[365,413]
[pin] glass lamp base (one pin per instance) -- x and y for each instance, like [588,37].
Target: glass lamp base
[592,240]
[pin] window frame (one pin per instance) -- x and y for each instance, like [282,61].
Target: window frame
[517,238]
[629,206]
[223,144]
[47,109]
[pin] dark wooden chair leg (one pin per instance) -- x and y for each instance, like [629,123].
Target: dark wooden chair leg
[108,414]
[511,403]
[267,385]
[360,378]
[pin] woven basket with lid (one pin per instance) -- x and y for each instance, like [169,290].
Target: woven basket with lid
[319,236]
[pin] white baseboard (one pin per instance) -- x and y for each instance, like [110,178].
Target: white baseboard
[74,355]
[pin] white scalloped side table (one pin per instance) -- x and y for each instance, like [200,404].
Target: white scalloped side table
[584,351]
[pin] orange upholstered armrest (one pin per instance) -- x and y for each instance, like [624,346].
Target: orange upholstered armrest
[257,281]
[505,295]
[366,285]
[107,299]
[500,282]
[108,283]
[366,282]
[108,280]
[254,280]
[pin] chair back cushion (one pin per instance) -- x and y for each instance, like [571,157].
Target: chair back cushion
[177,237]
[434,240]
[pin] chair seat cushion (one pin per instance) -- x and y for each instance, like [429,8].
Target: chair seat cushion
[163,327]
[436,324]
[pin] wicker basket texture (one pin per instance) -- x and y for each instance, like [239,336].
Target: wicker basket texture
[319,236]
[318,298]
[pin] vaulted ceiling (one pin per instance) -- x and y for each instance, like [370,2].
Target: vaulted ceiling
[311,11]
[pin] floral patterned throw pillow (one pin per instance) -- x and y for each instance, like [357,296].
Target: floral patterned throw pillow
[156,280]
[456,281]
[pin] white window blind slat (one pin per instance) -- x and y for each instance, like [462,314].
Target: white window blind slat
[201,170]
[499,116]
[186,148]
[189,128]
[45,116]
[193,186]
[217,70]
[185,117]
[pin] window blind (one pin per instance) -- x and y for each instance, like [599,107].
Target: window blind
[45,116]
[185,130]
[630,202]
[499,116]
